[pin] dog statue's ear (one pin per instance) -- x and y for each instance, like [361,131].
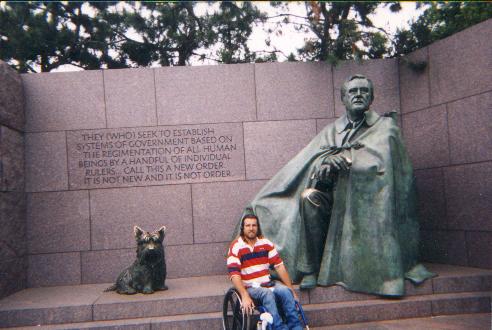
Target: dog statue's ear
[138,232]
[161,232]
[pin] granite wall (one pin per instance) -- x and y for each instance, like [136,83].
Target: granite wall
[13,244]
[447,123]
[187,147]
[214,135]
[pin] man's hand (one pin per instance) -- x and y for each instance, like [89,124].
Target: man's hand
[284,277]
[337,163]
[247,304]
[294,293]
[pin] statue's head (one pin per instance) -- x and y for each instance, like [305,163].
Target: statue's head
[357,94]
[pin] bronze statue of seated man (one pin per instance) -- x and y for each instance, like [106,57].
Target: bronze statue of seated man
[343,210]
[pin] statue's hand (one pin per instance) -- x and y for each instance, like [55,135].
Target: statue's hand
[336,163]
[324,173]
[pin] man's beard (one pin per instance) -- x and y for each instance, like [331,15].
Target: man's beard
[251,235]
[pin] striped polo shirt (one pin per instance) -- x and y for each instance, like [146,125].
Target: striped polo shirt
[252,263]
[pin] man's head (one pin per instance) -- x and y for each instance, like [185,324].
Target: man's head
[357,94]
[250,227]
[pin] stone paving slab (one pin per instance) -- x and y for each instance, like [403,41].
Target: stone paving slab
[480,321]
[181,322]
[84,303]
[62,304]
[321,315]
[318,314]
[389,309]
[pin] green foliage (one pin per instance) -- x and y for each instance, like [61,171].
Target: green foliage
[230,28]
[52,34]
[440,20]
[41,36]
[343,30]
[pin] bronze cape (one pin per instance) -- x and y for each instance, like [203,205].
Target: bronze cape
[372,240]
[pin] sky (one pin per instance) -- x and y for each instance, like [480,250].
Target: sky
[289,40]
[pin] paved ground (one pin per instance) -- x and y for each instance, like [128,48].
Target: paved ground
[451,322]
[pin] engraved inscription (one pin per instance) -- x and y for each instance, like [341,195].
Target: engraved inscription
[155,155]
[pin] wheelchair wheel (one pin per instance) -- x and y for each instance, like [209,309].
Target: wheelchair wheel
[233,318]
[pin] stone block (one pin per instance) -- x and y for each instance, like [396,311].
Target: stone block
[426,137]
[480,250]
[190,322]
[13,275]
[46,161]
[335,293]
[104,266]
[64,101]
[12,159]
[181,261]
[54,269]
[125,324]
[412,289]
[463,303]
[185,296]
[196,260]
[58,221]
[11,98]
[468,191]
[141,306]
[205,94]
[431,198]
[130,97]
[217,208]
[459,64]
[294,90]
[148,156]
[114,213]
[322,123]
[365,311]
[13,223]
[464,282]
[414,84]
[47,306]
[470,129]
[280,140]
[447,247]
[384,75]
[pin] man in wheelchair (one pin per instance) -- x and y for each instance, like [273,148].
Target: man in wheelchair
[249,260]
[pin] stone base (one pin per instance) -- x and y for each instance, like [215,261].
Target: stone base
[196,303]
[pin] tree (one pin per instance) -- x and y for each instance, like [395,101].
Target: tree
[41,36]
[230,28]
[341,30]
[54,33]
[440,20]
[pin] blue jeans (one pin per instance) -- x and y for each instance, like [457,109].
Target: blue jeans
[282,296]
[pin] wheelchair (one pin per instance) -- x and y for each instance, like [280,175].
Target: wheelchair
[234,318]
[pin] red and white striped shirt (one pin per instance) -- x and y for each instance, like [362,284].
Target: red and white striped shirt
[252,263]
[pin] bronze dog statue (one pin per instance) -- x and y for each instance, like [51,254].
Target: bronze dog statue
[148,273]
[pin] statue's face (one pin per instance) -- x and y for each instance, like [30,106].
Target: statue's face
[358,97]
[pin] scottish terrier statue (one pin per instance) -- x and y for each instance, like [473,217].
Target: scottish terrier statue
[148,273]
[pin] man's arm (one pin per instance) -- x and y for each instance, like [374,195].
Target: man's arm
[246,301]
[285,278]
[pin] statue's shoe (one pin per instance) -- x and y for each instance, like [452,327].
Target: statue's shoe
[309,281]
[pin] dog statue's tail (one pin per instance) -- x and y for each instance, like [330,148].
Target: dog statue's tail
[111,288]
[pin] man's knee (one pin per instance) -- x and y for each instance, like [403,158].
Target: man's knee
[267,294]
[283,292]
